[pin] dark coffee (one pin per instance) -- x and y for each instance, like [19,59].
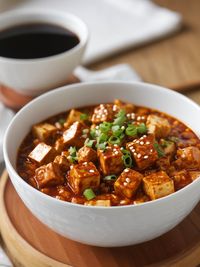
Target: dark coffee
[36,41]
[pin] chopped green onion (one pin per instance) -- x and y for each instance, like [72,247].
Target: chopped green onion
[101,146]
[127,160]
[89,143]
[159,150]
[110,177]
[114,140]
[126,152]
[62,121]
[131,130]
[102,138]
[120,118]
[84,116]
[93,133]
[73,154]
[141,128]
[105,127]
[89,193]
[117,130]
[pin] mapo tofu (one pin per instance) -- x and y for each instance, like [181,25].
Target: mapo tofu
[111,154]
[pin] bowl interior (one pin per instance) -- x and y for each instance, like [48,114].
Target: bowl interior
[80,95]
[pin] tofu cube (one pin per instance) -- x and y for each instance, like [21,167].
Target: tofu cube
[42,153]
[128,183]
[181,179]
[82,176]
[104,203]
[86,154]
[158,126]
[104,112]
[48,175]
[43,131]
[128,107]
[143,151]
[194,175]
[157,185]
[62,161]
[189,157]
[73,116]
[73,136]
[111,161]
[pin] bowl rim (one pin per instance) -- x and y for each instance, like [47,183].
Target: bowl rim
[77,87]
[82,41]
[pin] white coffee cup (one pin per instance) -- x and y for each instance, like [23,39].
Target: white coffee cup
[35,76]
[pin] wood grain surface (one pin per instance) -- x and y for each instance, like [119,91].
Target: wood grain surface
[32,244]
[174,61]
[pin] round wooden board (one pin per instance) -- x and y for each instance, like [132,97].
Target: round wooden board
[30,243]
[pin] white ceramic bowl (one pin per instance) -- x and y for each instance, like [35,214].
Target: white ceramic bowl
[35,76]
[103,226]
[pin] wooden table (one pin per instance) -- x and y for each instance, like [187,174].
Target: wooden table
[174,61]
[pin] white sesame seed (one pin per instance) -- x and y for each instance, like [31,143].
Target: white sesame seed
[146,157]
[115,145]
[128,115]
[114,108]
[147,143]
[139,156]
[123,127]
[151,150]
[116,152]
[85,163]
[98,116]
[141,143]
[126,170]
[137,142]
[125,183]
[91,170]
[128,179]
[135,154]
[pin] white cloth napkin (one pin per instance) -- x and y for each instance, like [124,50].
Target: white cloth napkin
[114,25]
